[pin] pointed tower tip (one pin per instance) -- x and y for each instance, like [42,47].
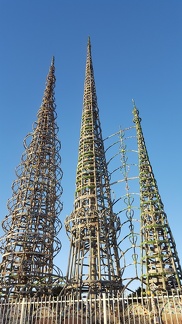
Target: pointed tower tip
[135,113]
[53,60]
[89,42]
[133,101]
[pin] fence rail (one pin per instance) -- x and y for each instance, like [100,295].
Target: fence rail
[103,310]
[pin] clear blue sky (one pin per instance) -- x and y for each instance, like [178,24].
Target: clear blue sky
[137,53]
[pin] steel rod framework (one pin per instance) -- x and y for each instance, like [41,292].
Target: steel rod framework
[161,270]
[101,239]
[129,199]
[122,161]
[30,241]
[92,227]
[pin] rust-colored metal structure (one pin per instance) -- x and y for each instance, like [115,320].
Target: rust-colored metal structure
[161,270]
[30,241]
[94,260]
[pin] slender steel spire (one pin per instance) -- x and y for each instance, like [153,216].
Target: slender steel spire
[30,243]
[161,270]
[92,227]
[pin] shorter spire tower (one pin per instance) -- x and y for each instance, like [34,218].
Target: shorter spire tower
[161,270]
[92,227]
[30,241]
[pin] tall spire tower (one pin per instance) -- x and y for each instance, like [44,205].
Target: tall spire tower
[92,227]
[161,270]
[30,241]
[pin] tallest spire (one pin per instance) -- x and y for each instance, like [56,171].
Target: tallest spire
[90,98]
[89,44]
[94,260]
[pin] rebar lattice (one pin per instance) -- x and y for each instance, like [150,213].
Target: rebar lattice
[30,241]
[122,156]
[161,270]
[92,227]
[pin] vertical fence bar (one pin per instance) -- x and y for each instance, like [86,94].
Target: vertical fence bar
[22,311]
[104,308]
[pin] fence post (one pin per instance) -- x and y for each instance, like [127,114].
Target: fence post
[104,308]
[22,311]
